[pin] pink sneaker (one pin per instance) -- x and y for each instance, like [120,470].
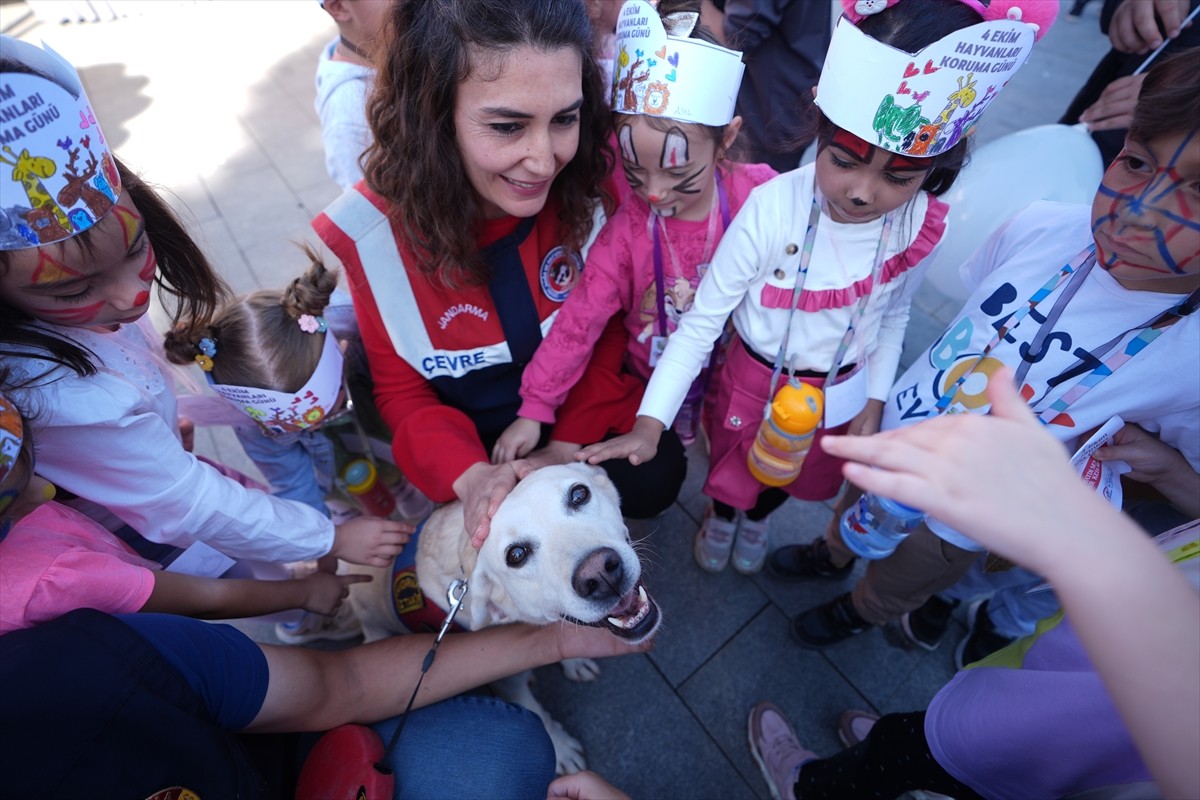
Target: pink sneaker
[750,547]
[776,749]
[714,541]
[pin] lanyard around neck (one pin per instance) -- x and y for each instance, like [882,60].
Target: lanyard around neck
[1083,261]
[721,201]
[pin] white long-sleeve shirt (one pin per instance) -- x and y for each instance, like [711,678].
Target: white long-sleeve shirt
[112,439]
[754,271]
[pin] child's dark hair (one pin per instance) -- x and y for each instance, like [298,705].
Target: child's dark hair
[414,161]
[259,340]
[910,26]
[1169,101]
[184,276]
[714,132]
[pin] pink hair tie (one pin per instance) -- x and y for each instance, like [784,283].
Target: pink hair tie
[310,324]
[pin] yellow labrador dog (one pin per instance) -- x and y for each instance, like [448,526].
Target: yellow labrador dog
[558,550]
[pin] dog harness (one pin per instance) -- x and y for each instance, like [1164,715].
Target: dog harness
[413,610]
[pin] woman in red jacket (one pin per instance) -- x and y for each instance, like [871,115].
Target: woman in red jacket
[482,193]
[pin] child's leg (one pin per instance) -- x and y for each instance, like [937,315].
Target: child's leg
[922,565]
[893,759]
[750,548]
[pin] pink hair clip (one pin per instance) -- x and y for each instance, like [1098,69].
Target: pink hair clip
[310,324]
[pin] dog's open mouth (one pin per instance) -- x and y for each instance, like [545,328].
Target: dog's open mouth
[636,617]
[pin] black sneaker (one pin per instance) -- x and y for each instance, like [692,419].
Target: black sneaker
[797,562]
[981,640]
[828,624]
[926,626]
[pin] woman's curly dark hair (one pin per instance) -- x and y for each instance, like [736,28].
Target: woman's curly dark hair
[414,162]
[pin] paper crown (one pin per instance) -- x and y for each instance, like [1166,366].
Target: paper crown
[57,174]
[672,76]
[919,104]
[283,412]
[12,433]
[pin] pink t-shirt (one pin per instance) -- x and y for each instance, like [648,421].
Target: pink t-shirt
[57,560]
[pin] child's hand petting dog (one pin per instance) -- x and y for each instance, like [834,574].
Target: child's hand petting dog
[324,591]
[370,541]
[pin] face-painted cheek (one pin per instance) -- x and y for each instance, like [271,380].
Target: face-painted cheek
[675,149]
[149,267]
[69,316]
[141,299]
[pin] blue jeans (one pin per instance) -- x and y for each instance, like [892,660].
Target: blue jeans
[1012,612]
[470,746]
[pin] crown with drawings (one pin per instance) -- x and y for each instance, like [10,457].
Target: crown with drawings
[919,104]
[12,433]
[57,174]
[288,412]
[667,74]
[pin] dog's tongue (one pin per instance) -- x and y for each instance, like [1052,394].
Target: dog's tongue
[628,604]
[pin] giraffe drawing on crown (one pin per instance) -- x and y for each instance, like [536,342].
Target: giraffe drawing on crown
[47,218]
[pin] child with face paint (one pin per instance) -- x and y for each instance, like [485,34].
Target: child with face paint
[818,270]
[1093,311]
[82,241]
[648,260]
[57,560]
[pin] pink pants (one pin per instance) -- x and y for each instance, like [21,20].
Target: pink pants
[735,410]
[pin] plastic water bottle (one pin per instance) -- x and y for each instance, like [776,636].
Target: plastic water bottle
[363,484]
[786,435]
[875,526]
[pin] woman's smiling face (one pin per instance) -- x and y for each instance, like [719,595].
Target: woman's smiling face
[516,120]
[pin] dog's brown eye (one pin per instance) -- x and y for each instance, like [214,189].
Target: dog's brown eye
[516,554]
[579,495]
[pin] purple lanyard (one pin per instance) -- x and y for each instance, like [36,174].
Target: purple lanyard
[659,278]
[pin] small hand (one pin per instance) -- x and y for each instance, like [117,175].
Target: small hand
[866,422]
[1156,463]
[371,541]
[555,452]
[639,445]
[1113,110]
[584,785]
[1134,26]
[517,440]
[326,591]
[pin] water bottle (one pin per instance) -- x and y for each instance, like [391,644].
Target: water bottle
[362,482]
[785,436]
[874,526]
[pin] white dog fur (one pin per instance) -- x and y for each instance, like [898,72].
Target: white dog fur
[557,550]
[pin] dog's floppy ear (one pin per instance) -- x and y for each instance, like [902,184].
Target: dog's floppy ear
[486,598]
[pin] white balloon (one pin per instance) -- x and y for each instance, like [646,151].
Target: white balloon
[1049,162]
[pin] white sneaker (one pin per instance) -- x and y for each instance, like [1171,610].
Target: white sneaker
[714,541]
[750,547]
[311,627]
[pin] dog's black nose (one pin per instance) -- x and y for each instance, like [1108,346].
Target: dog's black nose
[599,576]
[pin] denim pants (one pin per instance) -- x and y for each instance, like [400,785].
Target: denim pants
[470,746]
[1012,612]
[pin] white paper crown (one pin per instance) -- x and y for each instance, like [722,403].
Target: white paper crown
[281,412]
[671,76]
[57,174]
[918,104]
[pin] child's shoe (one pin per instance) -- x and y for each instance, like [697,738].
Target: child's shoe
[714,541]
[750,546]
[776,749]
[341,626]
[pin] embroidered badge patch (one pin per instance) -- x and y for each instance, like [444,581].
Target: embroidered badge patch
[559,273]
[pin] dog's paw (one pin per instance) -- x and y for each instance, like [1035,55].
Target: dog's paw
[568,751]
[580,669]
